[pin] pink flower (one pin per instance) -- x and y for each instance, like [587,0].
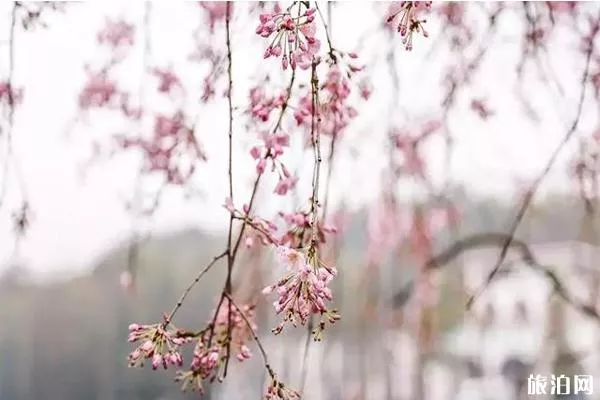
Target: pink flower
[285,184]
[255,152]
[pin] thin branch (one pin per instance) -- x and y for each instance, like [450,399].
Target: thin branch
[316,142]
[254,336]
[11,101]
[331,49]
[535,185]
[284,107]
[170,316]
[228,286]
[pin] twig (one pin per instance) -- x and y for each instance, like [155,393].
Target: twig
[258,178]
[170,316]
[254,336]
[11,101]
[331,49]
[316,142]
[230,175]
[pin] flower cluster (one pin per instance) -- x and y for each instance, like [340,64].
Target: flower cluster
[293,37]
[303,291]
[101,90]
[172,150]
[408,23]
[261,104]
[226,334]
[300,229]
[272,149]
[334,110]
[159,345]
[216,342]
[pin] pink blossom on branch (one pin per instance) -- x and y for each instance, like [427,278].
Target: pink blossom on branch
[293,37]
[162,346]
[304,290]
[172,151]
[404,15]
[214,344]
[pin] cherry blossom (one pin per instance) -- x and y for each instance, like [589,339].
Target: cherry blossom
[303,291]
[404,15]
[293,37]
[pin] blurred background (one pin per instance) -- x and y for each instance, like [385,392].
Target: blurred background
[424,182]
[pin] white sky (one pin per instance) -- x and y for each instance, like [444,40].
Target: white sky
[76,219]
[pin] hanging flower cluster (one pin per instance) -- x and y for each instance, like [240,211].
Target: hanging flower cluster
[293,37]
[303,291]
[405,16]
[162,346]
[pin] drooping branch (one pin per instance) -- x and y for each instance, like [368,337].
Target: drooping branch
[537,182]
[492,239]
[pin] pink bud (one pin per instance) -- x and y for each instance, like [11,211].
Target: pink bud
[249,242]
[213,357]
[148,346]
[284,62]
[229,205]
[156,361]
[260,167]
[276,51]
[264,18]
[255,152]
